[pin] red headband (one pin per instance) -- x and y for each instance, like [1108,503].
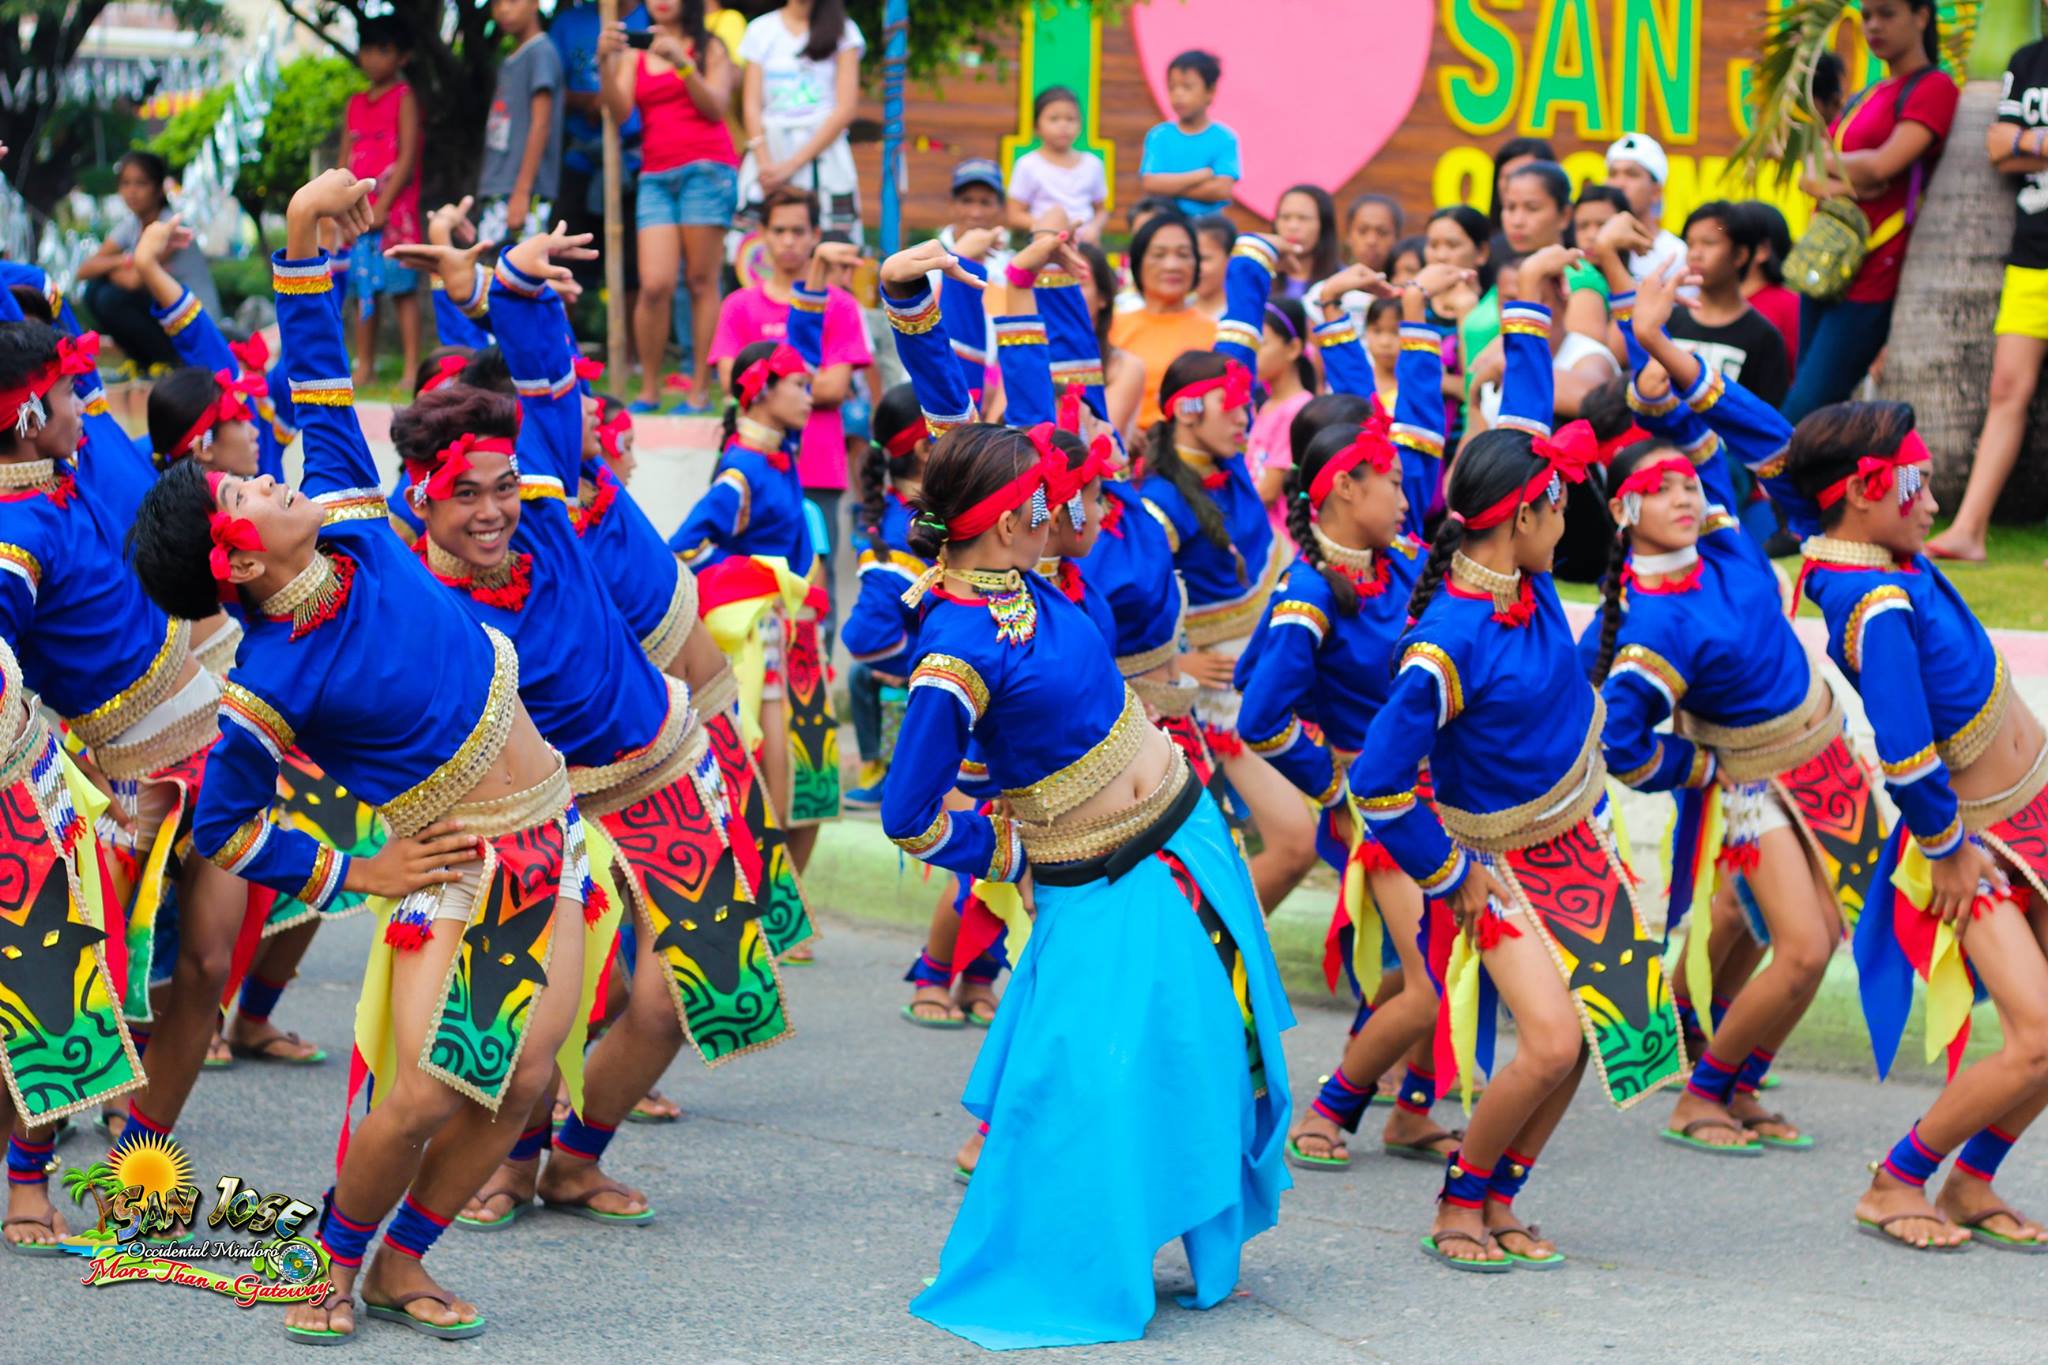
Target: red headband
[1050,465]
[1235,382]
[452,461]
[446,370]
[229,405]
[588,369]
[253,356]
[611,429]
[905,441]
[25,402]
[1067,482]
[1879,474]
[1371,447]
[229,534]
[779,363]
[1614,445]
[1566,457]
[1646,479]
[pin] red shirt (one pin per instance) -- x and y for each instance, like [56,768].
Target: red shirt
[1780,307]
[372,122]
[673,130]
[1866,127]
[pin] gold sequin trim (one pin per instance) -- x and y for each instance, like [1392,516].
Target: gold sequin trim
[419,806]
[1218,622]
[1470,574]
[1968,744]
[954,676]
[1636,776]
[237,698]
[1657,666]
[930,837]
[1570,799]
[1854,554]
[676,746]
[182,738]
[1439,662]
[107,720]
[665,641]
[1077,840]
[216,653]
[1047,799]
[719,695]
[545,800]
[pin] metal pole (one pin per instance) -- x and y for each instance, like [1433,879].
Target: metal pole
[615,241]
[895,49]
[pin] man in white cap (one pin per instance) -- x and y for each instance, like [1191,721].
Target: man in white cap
[1637,166]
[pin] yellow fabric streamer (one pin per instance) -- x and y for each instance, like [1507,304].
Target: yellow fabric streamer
[736,626]
[1006,903]
[1461,988]
[1699,961]
[1949,994]
[90,803]
[1367,928]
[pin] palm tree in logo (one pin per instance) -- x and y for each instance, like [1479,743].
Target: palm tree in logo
[96,1180]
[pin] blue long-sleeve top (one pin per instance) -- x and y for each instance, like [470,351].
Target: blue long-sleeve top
[1501,711]
[1033,709]
[582,674]
[966,323]
[459,322]
[1715,643]
[881,629]
[1132,565]
[637,567]
[397,694]
[1418,419]
[14,273]
[1076,352]
[755,504]
[199,343]
[1310,662]
[1932,683]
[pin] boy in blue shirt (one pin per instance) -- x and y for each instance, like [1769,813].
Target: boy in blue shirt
[1193,159]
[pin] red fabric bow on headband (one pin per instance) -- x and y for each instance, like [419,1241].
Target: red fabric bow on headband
[588,369]
[452,462]
[905,441]
[1646,479]
[229,534]
[75,356]
[779,363]
[1066,483]
[447,370]
[253,356]
[1879,475]
[1566,456]
[1235,383]
[1371,447]
[1051,465]
[1069,418]
[612,430]
[229,405]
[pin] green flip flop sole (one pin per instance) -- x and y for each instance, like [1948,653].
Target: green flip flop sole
[1436,1253]
[600,1216]
[512,1215]
[911,1016]
[1802,1143]
[307,1336]
[426,1329]
[1744,1149]
[1297,1157]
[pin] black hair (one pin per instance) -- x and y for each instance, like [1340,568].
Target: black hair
[1775,233]
[1418,246]
[1293,323]
[894,413]
[1492,465]
[1556,184]
[25,347]
[430,364]
[1595,194]
[386,30]
[1330,442]
[1051,95]
[1325,257]
[1618,471]
[1380,308]
[1142,242]
[175,403]
[784,195]
[34,304]
[1385,201]
[1828,74]
[1478,231]
[1930,37]
[1202,64]
[609,405]
[1102,275]
[1513,148]
[436,419]
[487,370]
[1162,456]
[1745,231]
[970,462]
[828,26]
[1324,410]
[1216,228]
[1152,205]
[690,18]
[1606,409]
[756,351]
[150,164]
[1829,441]
[170,542]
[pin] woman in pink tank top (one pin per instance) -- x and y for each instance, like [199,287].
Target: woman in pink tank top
[681,84]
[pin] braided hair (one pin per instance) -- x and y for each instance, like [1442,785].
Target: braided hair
[1492,465]
[1162,455]
[894,414]
[1828,441]
[1328,443]
[970,462]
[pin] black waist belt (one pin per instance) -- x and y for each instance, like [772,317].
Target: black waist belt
[1113,865]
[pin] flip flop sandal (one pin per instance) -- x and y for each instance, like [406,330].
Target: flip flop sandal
[1877,1229]
[945,1022]
[395,1312]
[580,1208]
[1555,1260]
[962,1175]
[520,1208]
[1684,1137]
[1297,1157]
[1771,1081]
[320,1336]
[2002,1241]
[979,1020]
[213,1063]
[638,1115]
[47,1223]
[1802,1143]
[261,1052]
[1432,1248]
[1420,1149]
[105,1123]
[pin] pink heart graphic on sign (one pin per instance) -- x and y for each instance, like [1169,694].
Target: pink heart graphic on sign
[1298,117]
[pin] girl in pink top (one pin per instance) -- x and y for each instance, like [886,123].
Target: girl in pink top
[1291,380]
[689,178]
[381,142]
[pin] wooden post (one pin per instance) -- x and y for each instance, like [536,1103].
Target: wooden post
[614,240]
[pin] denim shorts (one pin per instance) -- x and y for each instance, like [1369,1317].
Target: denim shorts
[694,194]
[370,273]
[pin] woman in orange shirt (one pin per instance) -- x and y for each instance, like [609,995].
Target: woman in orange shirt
[1165,268]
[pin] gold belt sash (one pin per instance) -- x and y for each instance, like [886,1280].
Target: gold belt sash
[665,641]
[1165,698]
[508,814]
[1570,800]
[1047,799]
[1756,753]
[673,752]
[1968,744]
[719,695]
[1984,812]
[121,711]
[1073,841]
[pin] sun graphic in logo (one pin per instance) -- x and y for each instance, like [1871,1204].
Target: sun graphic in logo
[156,1162]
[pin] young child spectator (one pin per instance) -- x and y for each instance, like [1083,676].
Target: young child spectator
[1637,166]
[1056,174]
[1720,326]
[1193,159]
[1372,225]
[1305,218]
[1215,235]
[1291,380]
[522,167]
[380,141]
[1591,210]
[1410,255]
[760,312]
[1764,284]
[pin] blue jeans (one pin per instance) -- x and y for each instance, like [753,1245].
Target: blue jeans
[864,702]
[1838,342]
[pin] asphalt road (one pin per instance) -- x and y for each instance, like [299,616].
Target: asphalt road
[805,1196]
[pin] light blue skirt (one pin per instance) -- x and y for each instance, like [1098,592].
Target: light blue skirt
[1117,1083]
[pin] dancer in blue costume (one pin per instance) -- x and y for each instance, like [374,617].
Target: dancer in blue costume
[1771,791]
[1963,757]
[1122,1005]
[1491,692]
[1322,659]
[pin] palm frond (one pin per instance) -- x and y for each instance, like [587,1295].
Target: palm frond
[1958,31]
[1783,126]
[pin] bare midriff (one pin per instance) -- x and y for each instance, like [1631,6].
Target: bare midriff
[1139,779]
[2009,757]
[525,761]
